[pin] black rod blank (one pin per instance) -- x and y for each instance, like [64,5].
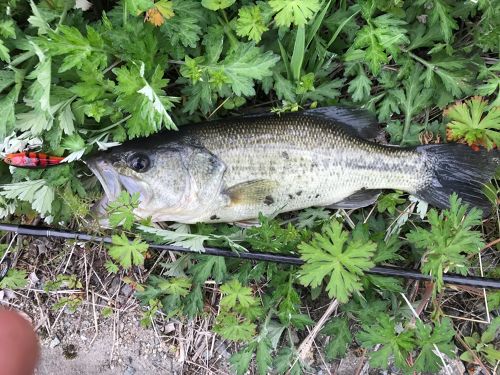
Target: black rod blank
[28,230]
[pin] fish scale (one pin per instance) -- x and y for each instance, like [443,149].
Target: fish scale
[234,169]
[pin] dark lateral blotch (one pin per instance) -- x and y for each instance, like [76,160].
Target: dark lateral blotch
[285,155]
[268,200]
[299,193]
[214,217]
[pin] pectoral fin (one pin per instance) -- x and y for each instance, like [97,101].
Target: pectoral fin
[253,192]
[361,198]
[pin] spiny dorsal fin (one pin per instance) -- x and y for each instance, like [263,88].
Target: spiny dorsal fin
[252,192]
[361,198]
[357,122]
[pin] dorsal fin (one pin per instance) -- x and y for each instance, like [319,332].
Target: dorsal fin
[357,122]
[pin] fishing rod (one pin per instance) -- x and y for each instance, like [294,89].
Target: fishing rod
[29,230]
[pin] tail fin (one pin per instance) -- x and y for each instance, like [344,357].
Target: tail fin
[457,168]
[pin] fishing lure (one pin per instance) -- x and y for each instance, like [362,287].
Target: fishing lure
[32,160]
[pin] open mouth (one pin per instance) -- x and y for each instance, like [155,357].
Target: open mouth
[113,183]
[107,176]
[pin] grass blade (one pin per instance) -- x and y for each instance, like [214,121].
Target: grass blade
[298,53]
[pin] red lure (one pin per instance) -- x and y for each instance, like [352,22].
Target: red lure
[32,160]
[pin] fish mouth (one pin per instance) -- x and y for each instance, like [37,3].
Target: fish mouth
[113,182]
[107,176]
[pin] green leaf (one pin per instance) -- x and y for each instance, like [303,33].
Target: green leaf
[251,23]
[245,64]
[194,302]
[384,332]
[38,20]
[360,87]
[7,108]
[311,217]
[144,100]
[380,37]
[241,361]
[39,91]
[298,53]
[136,7]
[470,121]
[177,286]
[493,300]
[340,338]
[127,252]
[490,333]
[207,267]
[448,240]
[217,4]
[111,267]
[288,357]
[413,99]
[121,210]
[236,294]
[77,49]
[231,327]
[388,202]
[7,28]
[15,279]
[335,255]
[36,192]
[428,339]
[73,143]
[441,14]
[263,357]
[4,52]
[178,238]
[298,12]
[184,28]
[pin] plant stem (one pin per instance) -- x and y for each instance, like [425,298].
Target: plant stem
[125,13]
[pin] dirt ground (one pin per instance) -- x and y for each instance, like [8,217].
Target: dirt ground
[81,347]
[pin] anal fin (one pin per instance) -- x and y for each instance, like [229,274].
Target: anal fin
[361,198]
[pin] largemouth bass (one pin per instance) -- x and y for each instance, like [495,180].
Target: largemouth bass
[233,169]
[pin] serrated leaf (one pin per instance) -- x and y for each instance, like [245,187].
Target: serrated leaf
[263,357]
[232,328]
[250,23]
[121,210]
[36,192]
[340,338]
[359,87]
[15,279]
[383,332]
[235,294]
[333,254]
[127,252]
[472,122]
[448,240]
[241,361]
[78,49]
[298,12]
[190,241]
[217,4]
[428,340]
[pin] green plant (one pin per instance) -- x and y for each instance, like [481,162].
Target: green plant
[74,81]
[449,239]
[470,122]
[334,255]
[483,345]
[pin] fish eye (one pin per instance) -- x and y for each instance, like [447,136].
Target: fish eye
[139,162]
